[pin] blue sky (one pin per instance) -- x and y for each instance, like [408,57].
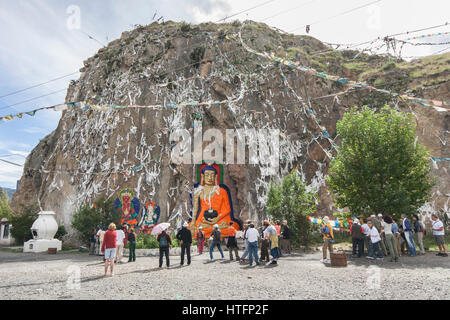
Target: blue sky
[38,46]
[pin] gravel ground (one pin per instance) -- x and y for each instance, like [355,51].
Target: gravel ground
[299,276]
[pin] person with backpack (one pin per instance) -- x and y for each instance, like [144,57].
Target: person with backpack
[272,236]
[165,243]
[185,236]
[200,240]
[215,237]
[232,244]
[357,233]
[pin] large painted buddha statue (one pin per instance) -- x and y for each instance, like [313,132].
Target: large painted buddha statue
[211,202]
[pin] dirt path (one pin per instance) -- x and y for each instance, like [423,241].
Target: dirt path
[299,276]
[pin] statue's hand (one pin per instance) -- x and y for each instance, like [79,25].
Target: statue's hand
[214,220]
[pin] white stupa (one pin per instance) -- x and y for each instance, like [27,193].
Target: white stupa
[43,230]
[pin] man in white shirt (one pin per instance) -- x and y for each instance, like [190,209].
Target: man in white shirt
[439,235]
[375,240]
[252,236]
[120,238]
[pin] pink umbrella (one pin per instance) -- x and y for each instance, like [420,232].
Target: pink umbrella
[160,228]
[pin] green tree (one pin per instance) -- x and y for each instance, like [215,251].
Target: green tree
[60,233]
[87,218]
[380,167]
[5,210]
[22,222]
[290,201]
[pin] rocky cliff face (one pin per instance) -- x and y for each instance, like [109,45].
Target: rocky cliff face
[94,153]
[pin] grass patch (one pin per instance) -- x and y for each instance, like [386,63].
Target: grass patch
[358,67]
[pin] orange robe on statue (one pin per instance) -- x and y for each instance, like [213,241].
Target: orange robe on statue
[221,204]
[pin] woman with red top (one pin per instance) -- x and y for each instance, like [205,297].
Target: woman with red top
[200,240]
[109,247]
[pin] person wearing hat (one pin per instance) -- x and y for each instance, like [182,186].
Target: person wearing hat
[357,233]
[185,237]
[271,235]
[200,240]
[377,223]
[215,235]
[328,238]
[375,239]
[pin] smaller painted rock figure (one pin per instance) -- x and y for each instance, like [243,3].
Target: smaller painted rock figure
[128,207]
[150,217]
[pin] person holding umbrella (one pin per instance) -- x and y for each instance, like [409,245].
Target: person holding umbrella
[165,242]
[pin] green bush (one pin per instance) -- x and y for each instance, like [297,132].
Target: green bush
[291,202]
[21,223]
[185,27]
[87,218]
[60,233]
[380,167]
[147,241]
[389,66]
[5,210]
[197,56]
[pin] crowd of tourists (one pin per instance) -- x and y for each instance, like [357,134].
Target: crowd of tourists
[377,236]
[384,236]
[274,238]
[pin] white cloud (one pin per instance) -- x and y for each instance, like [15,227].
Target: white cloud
[38,46]
[34,130]
[9,175]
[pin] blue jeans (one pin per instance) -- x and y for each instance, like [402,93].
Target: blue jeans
[253,252]
[358,243]
[245,253]
[410,240]
[211,248]
[375,247]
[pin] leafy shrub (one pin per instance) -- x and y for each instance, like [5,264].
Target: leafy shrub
[389,66]
[185,27]
[5,210]
[87,218]
[61,232]
[380,167]
[21,223]
[147,241]
[291,202]
[197,56]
